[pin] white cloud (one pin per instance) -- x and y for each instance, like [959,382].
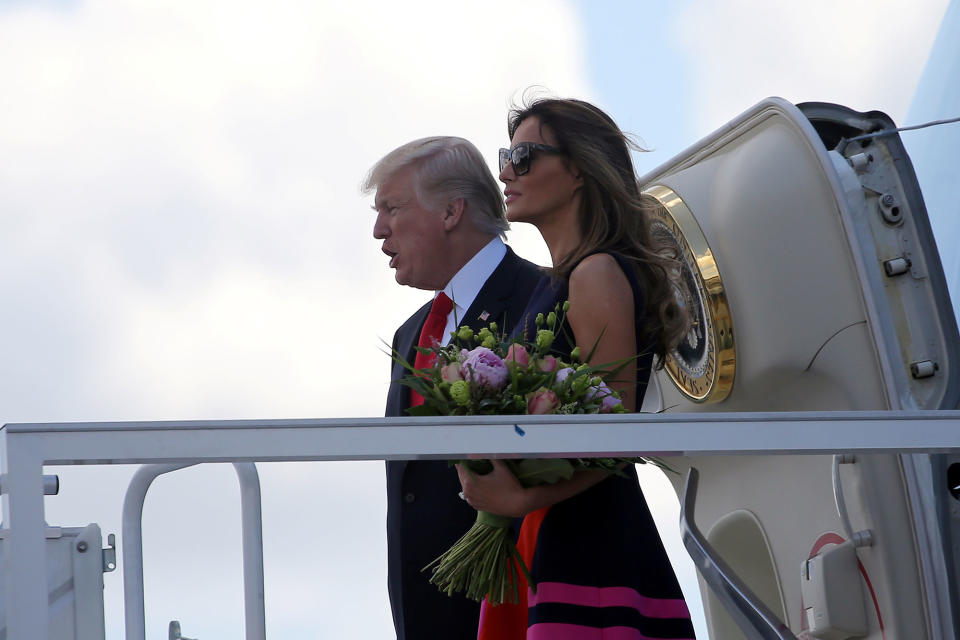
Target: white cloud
[183,185]
[862,54]
[184,238]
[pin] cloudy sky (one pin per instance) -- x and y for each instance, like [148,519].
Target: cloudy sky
[184,236]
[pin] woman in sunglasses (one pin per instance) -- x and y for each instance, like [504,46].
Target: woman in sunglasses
[590,542]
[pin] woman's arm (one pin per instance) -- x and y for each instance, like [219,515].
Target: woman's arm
[500,492]
[601,302]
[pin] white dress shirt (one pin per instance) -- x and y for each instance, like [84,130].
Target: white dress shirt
[467,282]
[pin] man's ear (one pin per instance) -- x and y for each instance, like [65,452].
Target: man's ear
[453,214]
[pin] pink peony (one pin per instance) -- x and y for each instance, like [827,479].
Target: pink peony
[517,354]
[451,372]
[547,364]
[485,368]
[542,401]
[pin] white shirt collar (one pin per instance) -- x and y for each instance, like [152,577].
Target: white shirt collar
[467,282]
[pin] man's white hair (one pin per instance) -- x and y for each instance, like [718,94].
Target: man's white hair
[446,168]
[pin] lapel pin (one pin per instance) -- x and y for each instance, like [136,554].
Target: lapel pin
[484,316]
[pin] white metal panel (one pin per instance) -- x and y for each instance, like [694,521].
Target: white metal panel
[74,575]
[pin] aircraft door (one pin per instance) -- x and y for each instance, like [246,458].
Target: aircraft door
[808,292]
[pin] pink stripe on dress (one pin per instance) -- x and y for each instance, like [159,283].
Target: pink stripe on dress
[564,593]
[559,631]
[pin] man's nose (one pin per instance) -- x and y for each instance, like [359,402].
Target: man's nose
[380,228]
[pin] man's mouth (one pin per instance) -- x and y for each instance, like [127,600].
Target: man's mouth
[393,257]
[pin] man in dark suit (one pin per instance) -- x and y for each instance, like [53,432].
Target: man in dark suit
[440,215]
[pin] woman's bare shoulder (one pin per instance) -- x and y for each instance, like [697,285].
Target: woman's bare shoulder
[600,283]
[596,270]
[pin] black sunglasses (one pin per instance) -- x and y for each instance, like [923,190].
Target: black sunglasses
[521,155]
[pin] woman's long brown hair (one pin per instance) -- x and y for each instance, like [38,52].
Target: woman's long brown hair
[614,215]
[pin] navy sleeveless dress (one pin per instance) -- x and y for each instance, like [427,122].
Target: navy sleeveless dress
[600,568]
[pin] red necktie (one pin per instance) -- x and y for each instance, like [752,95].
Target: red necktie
[431,334]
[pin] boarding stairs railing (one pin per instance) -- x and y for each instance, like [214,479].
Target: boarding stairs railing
[26,448]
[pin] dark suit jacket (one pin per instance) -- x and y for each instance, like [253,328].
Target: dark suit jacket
[425,516]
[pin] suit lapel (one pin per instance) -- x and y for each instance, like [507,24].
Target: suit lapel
[494,296]
[406,343]
[398,396]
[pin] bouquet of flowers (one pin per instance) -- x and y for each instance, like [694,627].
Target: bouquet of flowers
[485,373]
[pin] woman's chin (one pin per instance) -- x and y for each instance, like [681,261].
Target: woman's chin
[516,215]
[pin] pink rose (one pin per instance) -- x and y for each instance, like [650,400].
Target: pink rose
[485,368]
[547,364]
[542,401]
[517,354]
[451,372]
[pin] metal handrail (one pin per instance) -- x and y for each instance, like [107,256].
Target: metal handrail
[26,448]
[751,615]
[132,548]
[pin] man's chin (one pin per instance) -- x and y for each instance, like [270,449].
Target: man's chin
[415,285]
[404,280]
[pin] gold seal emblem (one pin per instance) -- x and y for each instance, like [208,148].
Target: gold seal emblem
[702,366]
